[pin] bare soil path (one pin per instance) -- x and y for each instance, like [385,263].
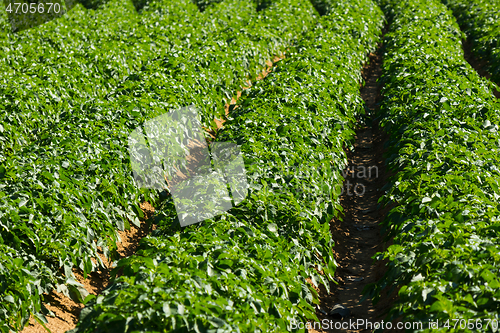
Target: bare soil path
[358,238]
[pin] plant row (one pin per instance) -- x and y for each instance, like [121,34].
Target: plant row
[247,269]
[72,90]
[4,25]
[444,150]
[480,20]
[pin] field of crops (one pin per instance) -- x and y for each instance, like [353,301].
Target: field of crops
[481,23]
[73,89]
[444,142]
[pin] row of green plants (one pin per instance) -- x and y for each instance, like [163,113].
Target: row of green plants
[176,38]
[72,90]
[442,120]
[4,24]
[480,20]
[246,270]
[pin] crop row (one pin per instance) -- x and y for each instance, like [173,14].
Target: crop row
[72,90]
[4,25]
[444,148]
[246,270]
[480,20]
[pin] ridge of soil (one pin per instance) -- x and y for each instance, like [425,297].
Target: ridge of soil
[357,235]
[65,310]
[480,65]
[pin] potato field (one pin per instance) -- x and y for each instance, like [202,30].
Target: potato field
[368,135]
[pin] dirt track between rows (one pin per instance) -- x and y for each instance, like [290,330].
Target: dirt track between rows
[357,236]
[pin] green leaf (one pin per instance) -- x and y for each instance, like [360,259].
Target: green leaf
[442,305]
[9,299]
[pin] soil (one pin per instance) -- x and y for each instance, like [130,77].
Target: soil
[357,235]
[480,65]
[65,310]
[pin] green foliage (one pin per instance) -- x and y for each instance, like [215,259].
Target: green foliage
[4,23]
[246,270]
[21,286]
[140,4]
[203,4]
[25,14]
[73,89]
[480,19]
[444,142]
[93,4]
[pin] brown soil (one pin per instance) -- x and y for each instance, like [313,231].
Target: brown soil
[480,65]
[358,238]
[65,310]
